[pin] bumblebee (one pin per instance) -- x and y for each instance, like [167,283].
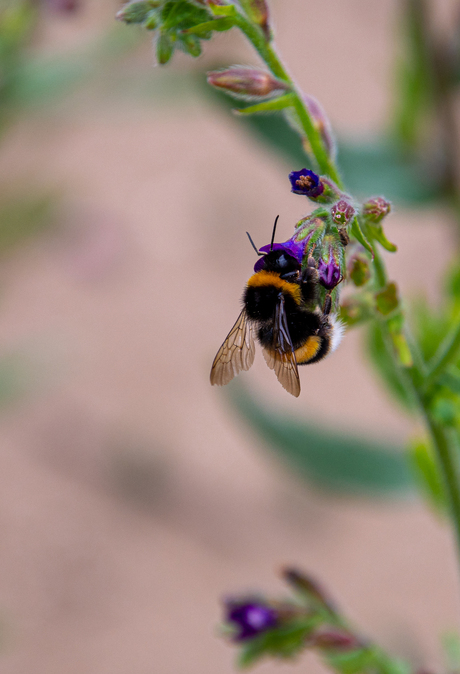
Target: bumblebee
[280,311]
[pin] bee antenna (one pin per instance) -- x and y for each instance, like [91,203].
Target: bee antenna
[253,244]
[273,235]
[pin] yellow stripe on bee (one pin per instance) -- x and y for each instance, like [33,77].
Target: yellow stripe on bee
[309,350]
[271,278]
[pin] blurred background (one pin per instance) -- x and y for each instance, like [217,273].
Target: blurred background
[133,496]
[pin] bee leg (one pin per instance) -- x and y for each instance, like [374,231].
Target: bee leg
[309,281]
[327,306]
[310,272]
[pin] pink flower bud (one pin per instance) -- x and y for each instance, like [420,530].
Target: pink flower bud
[246,82]
[258,12]
[322,123]
[376,208]
[335,640]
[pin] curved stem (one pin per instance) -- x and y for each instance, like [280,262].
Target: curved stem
[273,61]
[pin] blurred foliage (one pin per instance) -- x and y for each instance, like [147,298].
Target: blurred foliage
[23,216]
[427,474]
[332,460]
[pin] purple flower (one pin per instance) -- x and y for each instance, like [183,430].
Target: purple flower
[294,248]
[329,274]
[250,617]
[307,183]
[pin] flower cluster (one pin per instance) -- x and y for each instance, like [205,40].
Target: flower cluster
[325,236]
[282,629]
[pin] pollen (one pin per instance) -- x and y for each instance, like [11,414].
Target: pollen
[304,182]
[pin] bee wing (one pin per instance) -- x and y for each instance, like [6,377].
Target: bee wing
[236,353]
[281,357]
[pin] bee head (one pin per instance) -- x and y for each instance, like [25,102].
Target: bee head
[281,262]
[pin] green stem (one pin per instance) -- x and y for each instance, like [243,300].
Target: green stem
[414,377]
[444,355]
[447,464]
[268,54]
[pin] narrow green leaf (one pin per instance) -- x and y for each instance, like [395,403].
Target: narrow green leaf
[272,105]
[203,29]
[451,379]
[334,460]
[427,474]
[222,10]
[356,231]
[165,48]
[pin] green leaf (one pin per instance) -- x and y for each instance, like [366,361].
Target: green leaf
[165,48]
[359,236]
[451,379]
[375,231]
[334,460]
[451,647]
[282,642]
[427,474]
[177,16]
[272,105]
[387,300]
[204,30]
[222,10]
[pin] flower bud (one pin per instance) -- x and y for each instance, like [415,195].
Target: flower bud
[134,12]
[331,261]
[250,617]
[257,10]
[334,640]
[165,48]
[309,587]
[342,213]
[387,300]
[306,182]
[358,267]
[321,123]
[375,209]
[246,82]
[356,309]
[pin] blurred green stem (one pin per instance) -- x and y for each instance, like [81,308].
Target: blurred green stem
[445,354]
[268,54]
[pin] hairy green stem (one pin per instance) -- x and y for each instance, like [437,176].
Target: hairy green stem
[448,466]
[268,54]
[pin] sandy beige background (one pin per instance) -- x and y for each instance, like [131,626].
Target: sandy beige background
[131,499]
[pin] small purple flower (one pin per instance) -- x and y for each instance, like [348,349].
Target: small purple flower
[294,248]
[329,274]
[307,183]
[251,617]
